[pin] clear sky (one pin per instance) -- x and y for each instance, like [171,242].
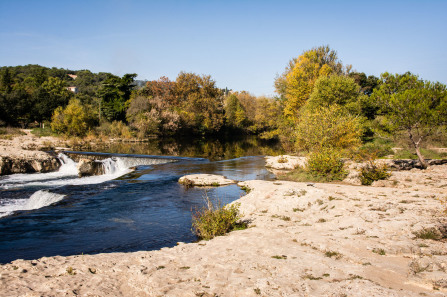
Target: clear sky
[242,44]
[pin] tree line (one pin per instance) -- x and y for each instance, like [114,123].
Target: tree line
[321,104]
[191,104]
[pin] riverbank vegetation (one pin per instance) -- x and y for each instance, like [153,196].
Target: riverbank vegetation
[216,219]
[322,106]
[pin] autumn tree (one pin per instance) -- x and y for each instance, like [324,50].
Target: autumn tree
[296,84]
[73,120]
[162,88]
[200,103]
[253,115]
[413,106]
[331,127]
[235,114]
[152,116]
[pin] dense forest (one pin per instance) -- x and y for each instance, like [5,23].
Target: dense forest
[321,105]
[79,102]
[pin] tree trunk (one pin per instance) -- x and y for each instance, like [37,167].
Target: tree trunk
[418,152]
[421,158]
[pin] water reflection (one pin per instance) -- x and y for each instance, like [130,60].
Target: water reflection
[212,149]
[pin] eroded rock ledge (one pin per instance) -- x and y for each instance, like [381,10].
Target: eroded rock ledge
[17,164]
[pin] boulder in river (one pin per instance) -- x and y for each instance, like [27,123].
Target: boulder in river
[87,167]
[205,180]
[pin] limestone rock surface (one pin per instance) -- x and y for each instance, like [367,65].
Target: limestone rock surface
[285,162]
[203,180]
[18,164]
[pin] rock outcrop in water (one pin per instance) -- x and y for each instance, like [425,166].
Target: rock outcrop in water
[87,167]
[205,180]
[18,164]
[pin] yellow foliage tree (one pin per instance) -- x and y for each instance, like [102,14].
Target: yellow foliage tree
[72,120]
[297,82]
[327,127]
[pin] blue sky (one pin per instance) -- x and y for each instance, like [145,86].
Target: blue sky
[241,44]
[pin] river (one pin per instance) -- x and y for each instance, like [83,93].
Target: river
[136,205]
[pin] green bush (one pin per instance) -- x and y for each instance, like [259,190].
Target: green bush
[216,220]
[326,163]
[372,172]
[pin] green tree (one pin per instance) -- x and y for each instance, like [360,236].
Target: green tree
[5,80]
[412,105]
[115,93]
[51,94]
[336,89]
[367,83]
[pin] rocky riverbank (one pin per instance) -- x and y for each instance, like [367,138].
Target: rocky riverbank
[303,240]
[25,154]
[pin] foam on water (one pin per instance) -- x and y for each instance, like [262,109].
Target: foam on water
[67,169]
[67,174]
[37,200]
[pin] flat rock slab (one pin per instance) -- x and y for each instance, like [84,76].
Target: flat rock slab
[324,240]
[203,180]
[285,162]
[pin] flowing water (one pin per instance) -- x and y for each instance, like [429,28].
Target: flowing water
[137,204]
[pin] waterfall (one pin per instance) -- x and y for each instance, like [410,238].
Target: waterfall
[37,200]
[112,167]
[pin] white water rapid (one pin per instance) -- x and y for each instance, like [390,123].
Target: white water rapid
[66,175]
[37,200]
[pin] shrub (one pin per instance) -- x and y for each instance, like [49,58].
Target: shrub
[301,175]
[372,172]
[11,131]
[334,254]
[114,129]
[428,233]
[326,163]
[327,127]
[216,220]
